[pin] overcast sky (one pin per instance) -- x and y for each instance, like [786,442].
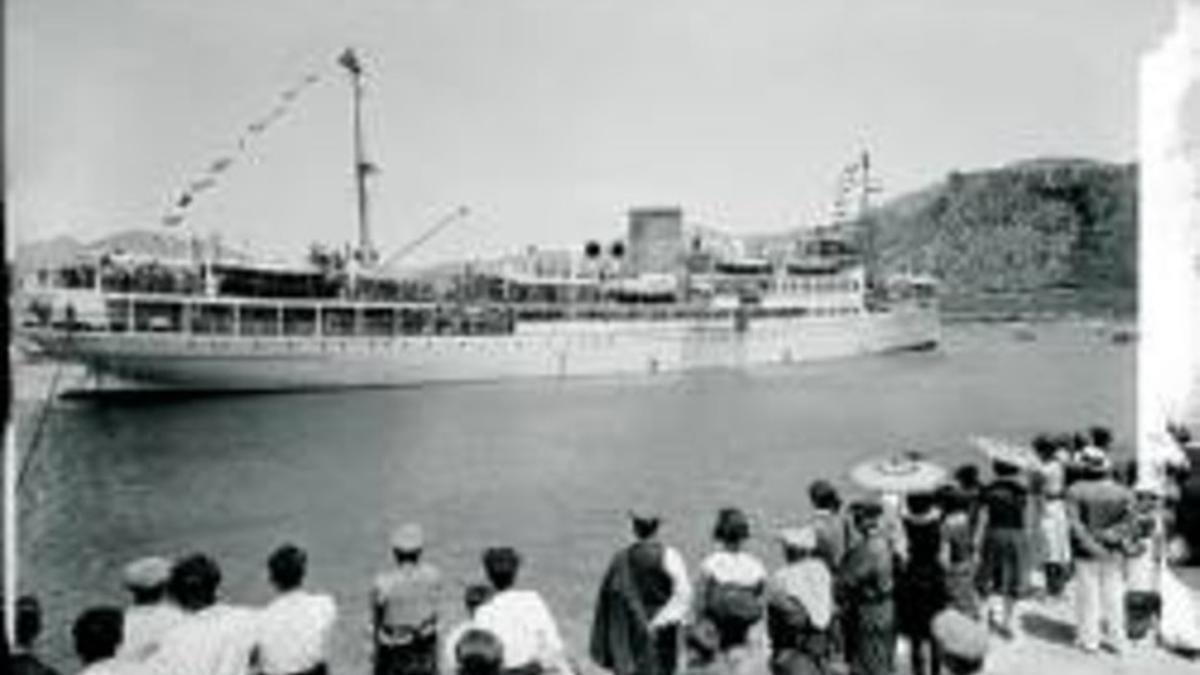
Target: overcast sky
[548,118]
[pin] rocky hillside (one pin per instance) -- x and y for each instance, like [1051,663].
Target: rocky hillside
[1035,230]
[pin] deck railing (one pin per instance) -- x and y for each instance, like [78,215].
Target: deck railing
[259,318]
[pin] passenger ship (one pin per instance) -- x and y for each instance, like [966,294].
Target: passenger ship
[341,321]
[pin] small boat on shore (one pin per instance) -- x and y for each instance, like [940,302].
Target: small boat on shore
[1123,336]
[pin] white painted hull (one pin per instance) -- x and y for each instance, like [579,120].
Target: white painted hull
[559,349]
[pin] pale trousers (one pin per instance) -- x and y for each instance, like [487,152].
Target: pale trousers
[1100,599]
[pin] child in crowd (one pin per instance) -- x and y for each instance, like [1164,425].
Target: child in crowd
[1143,602]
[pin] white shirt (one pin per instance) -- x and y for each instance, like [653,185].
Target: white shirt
[730,567]
[450,645]
[216,640]
[524,627]
[293,632]
[145,626]
[675,611]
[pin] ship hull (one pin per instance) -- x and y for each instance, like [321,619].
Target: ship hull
[183,362]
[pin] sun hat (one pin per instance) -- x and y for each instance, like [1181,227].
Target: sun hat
[898,474]
[1094,459]
[147,573]
[960,636]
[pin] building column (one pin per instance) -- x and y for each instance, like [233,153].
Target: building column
[1169,229]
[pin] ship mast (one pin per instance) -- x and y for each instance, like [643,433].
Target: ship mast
[867,222]
[365,254]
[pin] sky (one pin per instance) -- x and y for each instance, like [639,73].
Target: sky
[549,119]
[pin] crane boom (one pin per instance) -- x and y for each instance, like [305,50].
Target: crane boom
[446,221]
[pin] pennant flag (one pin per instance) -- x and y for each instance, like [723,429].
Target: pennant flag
[201,185]
[349,61]
[222,164]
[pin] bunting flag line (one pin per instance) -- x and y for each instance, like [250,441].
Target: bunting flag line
[201,185]
[208,179]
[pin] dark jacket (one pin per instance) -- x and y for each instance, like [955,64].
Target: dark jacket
[1098,510]
[635,587]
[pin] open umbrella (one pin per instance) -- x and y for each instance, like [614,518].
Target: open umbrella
[1008,453]
[898,474]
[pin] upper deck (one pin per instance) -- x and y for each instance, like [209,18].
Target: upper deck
[257,302]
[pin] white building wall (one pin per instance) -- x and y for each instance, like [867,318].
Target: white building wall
[1169,226]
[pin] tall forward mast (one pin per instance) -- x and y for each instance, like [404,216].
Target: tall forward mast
[365,254]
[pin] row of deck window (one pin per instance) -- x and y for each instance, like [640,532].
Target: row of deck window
[255,320]
[819,285]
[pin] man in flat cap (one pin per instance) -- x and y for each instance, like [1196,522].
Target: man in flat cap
[643,600]
[404,609]
[151,614]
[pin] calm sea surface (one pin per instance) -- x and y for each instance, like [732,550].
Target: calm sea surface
[546,466]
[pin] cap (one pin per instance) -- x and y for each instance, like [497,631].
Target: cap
[408,537]
[147,573]
[960,636]
[1094,458]
[799,538]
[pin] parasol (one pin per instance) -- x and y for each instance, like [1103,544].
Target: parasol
[1005,452]
[898,474]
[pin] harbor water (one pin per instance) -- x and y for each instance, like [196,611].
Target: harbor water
[547,466]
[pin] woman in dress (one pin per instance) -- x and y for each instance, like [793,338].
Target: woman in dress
[1003,541]
[957,556]
[865,592]
[1053,528]
[731,589]
[920,586]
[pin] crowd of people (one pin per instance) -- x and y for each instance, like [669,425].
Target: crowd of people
[941,569]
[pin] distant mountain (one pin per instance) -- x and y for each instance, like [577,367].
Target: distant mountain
[47,253]
[1046,225]
[63,249]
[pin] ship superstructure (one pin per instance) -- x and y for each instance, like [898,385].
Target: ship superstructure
[665,298]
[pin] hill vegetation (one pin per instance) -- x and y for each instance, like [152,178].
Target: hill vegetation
[1052,234]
